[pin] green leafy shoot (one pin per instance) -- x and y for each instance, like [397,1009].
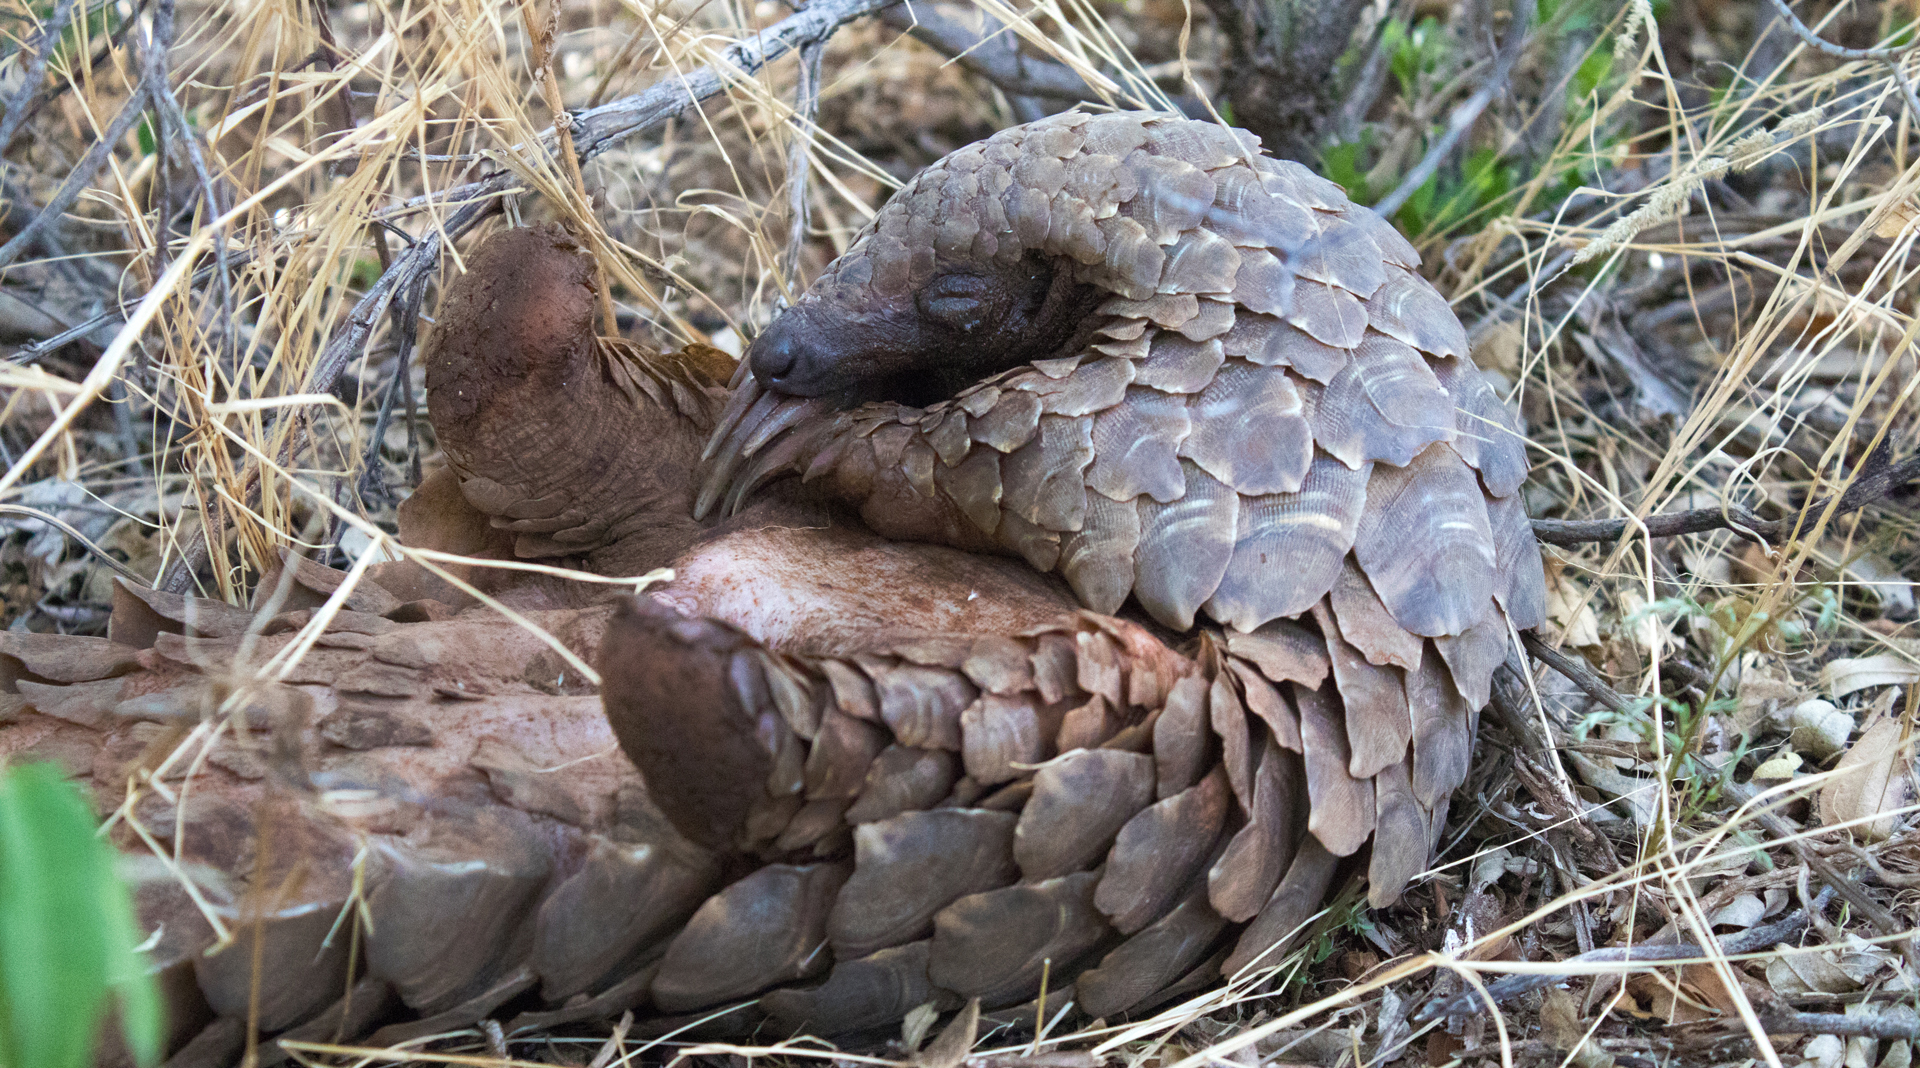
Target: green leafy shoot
[67,936]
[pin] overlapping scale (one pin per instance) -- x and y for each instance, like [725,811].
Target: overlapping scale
[1166,815]
[1173,822]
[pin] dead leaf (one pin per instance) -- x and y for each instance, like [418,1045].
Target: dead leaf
[1872,780]
[1638,793]
[919,1021]
[1792,973]
[1560,1020]
[1704,983]
[1884,581]
[1863,962]
[1560,1025]
[1824,1051]
[1764,694]
[1501,348]
[1665,1000]
[951,1048]
[1742,912]
[1850,674]
[1570,608]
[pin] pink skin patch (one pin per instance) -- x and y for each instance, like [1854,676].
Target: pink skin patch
[827,591]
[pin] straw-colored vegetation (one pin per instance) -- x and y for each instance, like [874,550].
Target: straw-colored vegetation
[1682,240]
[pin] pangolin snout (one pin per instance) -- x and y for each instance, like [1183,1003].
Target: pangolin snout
[774,356]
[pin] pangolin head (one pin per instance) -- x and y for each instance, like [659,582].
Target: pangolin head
[993,257]
[1002,254]
[851,340]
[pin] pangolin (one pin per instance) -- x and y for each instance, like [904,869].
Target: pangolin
[1138,353]
[874,772]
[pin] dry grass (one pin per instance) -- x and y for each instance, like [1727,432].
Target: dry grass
[1723,314]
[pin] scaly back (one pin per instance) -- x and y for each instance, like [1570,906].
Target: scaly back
[1266,406]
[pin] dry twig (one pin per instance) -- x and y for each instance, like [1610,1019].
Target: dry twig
[1868,487]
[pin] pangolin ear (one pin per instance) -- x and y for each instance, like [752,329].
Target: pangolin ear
[960,300]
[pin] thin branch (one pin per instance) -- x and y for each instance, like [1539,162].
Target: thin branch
[806,107]
[1576,671]
[42,48]
[1469,1002]
[994,54]
[1866,489]
[1891,58]
[405,313]
[1534,760]
[1365,89]
[171,120]
[594,131]
[79,178]
[599,129]
[1786,1022]
[115,42]
[1828,47]
[70,531]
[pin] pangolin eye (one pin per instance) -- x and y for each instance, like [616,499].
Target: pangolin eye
[961,301]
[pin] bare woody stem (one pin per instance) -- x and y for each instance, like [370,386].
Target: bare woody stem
[1870,486]
[1891,58]
[578,138]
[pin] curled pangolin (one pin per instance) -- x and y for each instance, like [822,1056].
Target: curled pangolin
[874,773]
[1183,362]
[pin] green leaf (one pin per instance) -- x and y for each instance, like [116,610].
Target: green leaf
[66,930]
[1340,164]
[1415,52]
[142,1020]
[1417,213]
[1592,71]
[1404,55]
[366,271]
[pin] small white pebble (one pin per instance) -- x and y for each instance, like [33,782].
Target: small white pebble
[1819,728]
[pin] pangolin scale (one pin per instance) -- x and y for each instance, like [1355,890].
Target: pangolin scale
[873,772]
